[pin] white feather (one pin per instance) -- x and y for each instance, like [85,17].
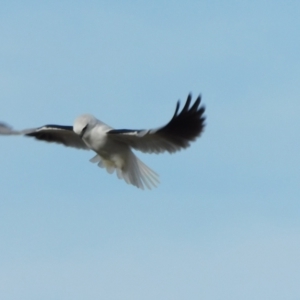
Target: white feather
[129,168]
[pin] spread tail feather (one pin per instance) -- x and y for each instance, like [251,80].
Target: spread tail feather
[131,169]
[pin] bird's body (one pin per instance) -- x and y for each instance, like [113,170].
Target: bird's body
[94,135]
[113,154]
[114,147]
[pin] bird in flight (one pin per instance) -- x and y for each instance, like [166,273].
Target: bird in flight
[113,147]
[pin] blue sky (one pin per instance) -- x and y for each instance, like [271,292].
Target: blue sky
[224,222]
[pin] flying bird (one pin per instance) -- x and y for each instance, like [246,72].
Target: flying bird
[113,147]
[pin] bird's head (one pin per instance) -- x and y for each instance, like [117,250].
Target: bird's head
[83,124]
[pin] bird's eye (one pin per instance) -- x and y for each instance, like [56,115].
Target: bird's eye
[84,129]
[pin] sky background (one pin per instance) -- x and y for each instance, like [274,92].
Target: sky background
[224,222]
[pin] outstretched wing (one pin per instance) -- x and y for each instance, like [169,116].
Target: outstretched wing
[183,128]
[49,133]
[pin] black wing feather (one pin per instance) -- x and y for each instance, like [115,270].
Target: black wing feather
[187,125]
[184,127]
[57,134]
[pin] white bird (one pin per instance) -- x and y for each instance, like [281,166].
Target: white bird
[113,147]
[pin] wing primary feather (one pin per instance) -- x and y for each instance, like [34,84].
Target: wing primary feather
[196,104]
[176,109]
[187,104]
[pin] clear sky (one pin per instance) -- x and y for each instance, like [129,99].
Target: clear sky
[225,221]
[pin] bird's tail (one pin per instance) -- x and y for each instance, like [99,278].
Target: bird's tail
[131,169]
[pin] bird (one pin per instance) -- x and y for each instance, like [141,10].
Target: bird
[113,147]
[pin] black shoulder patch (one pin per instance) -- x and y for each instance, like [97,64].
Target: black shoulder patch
[122,131]
[61,127]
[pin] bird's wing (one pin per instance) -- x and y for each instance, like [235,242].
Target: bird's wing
[183,128]
[49,133]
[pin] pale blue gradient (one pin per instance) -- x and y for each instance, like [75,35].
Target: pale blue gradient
[225,221]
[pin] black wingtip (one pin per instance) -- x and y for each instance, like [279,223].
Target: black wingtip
[195,106]
[186,125]
[187,103]
[176,109]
